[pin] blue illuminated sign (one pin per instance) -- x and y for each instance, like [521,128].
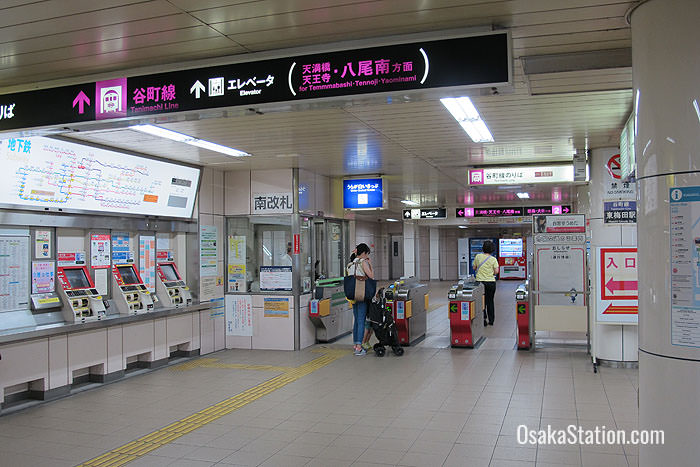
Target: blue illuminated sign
[365,193]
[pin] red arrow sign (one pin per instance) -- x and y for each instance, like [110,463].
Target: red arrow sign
[612,285]
[81,100]
[621,310]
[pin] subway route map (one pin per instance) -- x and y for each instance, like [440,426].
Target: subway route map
[45,172]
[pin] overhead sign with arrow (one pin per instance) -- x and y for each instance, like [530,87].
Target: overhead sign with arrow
[425,213]
[617,287]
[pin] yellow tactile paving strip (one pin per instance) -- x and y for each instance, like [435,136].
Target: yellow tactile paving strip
[214,363]
[152,441]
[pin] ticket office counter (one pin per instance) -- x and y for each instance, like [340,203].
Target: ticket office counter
[272,263]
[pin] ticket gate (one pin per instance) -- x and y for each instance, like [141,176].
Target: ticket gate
[81,300]
[523,316]
[465,309]
[406,297]
[329,311]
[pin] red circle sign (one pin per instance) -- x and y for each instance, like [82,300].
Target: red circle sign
[613,167]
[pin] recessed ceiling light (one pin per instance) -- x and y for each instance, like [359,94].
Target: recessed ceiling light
[463,110]
[408,202]
[523,195]
[389,219]
[183,138]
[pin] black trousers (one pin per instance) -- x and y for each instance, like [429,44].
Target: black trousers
[489,293]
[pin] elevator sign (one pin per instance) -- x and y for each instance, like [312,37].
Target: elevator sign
[617,288]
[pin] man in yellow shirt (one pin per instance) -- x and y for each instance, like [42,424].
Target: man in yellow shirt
[486,267]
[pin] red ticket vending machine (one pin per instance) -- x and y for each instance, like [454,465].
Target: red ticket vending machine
[171,290]
[512,260]
[81,300]
[465,310]
[130,294]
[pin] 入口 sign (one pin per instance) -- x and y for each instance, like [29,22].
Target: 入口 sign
[617,289]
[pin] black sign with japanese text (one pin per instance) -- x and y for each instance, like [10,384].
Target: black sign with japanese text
[467,61]
[425,213]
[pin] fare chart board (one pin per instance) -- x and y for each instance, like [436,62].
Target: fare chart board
[48,173]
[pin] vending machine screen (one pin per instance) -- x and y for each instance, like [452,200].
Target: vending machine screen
[169,272]
[76,278]
[128,275]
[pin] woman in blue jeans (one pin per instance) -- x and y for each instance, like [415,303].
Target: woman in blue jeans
[360,267]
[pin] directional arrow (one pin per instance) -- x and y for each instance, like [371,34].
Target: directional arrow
[612,285]
[407,214]
[81,100]
[453,308]
[621,310]
[460,212]
[197,88]
[565,209]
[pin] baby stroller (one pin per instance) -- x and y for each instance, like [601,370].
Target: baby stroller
[382,321]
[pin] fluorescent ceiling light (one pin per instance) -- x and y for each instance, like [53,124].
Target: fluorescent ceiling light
[408,202]
[462,226]
[523,195]
[391,220]
[183,138]
[463,110]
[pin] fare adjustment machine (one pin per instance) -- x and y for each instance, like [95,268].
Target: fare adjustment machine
[466,305]
[170,288]
[81,300]
[130,294]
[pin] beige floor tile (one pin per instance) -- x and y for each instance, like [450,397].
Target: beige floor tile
[558,457]
[597,459]
[208,454]
[418,459]
[381,456]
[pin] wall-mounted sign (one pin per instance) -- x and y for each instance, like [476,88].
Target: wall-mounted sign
[49,173]
[275,278]
[425,213]
[620,212]
[393,68]
[564,223]
[617,290]
[511,211]
[518,175]
[363,193]
[272,203]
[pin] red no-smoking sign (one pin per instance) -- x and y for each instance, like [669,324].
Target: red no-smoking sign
[613,167]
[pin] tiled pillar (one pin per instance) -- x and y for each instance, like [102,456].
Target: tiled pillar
[434,254]
[409,249]
[666,67]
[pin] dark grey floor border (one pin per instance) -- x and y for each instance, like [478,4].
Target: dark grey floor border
[669,356]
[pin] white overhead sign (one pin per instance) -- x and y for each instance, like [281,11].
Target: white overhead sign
[517,175]
[49,173]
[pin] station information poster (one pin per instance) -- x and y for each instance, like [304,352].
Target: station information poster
[47,173]
[147,261]
[207,251]
[75,258]
[239,315]
[236,263]
[43,277]
[276,307]
[100,251]
[42,244]
[617,292]
[684,204]
[14,273]
[121,248]
[275,278]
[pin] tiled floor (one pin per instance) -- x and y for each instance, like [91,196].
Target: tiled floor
[433,406]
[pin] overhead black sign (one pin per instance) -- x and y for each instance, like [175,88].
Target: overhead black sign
[467,61]
[511,211]
[425,213]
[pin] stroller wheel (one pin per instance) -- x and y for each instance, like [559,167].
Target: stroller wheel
[398,351]
[380,351]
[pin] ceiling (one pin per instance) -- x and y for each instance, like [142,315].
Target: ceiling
[578,99]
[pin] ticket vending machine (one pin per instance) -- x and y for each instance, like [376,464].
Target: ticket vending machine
[130,294]
[465,309]
[523,316]
[81,301]
[171,290]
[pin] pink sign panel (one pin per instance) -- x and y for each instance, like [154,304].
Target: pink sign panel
[110,99]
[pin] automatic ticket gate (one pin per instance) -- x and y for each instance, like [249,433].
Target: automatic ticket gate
[329,311]
[465,309]
[523,316]
[406,297]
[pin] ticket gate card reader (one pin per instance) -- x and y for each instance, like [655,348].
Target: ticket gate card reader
[523,317]
[171,290]
[465,310]
[81,301]
[329,311]
[407,300]
[130,294]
